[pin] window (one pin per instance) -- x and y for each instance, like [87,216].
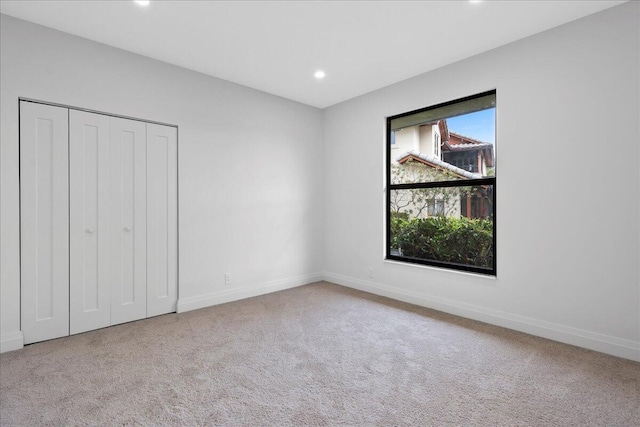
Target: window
[441,204]
[435,208]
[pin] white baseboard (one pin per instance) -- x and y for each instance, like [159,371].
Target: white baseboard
[591,340]
[215,298]
[11,341]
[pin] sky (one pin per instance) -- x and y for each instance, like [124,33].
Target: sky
[480,125]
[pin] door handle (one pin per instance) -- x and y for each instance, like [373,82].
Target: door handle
[90,230]
[127,229]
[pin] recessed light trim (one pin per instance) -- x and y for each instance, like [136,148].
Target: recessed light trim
[319,74]
[142,2]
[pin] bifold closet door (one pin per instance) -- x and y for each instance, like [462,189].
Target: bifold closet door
[99,220]
[128,221]
[89,170]
[108,221]
[162,219]
[44,222]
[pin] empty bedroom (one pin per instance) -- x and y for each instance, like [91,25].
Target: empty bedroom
[320,213]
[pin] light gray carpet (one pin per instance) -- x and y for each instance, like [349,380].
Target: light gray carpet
[320,354]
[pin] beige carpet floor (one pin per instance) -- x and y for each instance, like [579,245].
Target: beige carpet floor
[320,354]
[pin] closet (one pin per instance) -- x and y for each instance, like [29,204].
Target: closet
[98,200]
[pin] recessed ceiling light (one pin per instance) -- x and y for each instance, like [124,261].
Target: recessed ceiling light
[143,2]
[319,74]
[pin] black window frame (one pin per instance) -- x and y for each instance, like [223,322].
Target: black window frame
[437,184]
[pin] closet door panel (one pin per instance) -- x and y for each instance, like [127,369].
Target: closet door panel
[162,219]
[89,157]
[128,221]
[44,222]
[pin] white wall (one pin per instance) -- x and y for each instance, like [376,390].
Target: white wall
[407,139]
[250,187]
[568,243]
[427,140]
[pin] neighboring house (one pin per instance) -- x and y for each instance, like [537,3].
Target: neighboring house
[430,152]
[468,154]
[424,138]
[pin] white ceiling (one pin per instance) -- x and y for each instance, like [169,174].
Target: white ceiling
[276,46]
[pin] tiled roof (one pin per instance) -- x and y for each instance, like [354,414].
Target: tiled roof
[471,141]
[455,147]
[436,162]
[465,143]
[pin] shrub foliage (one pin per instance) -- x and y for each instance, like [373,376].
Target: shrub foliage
[447,239]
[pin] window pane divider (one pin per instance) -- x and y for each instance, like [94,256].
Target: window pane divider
[439,184]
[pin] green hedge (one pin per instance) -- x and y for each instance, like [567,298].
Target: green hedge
[458,240]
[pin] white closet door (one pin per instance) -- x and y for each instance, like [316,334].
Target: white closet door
[128,221]
[89,236]
[162,219]
[44,222]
